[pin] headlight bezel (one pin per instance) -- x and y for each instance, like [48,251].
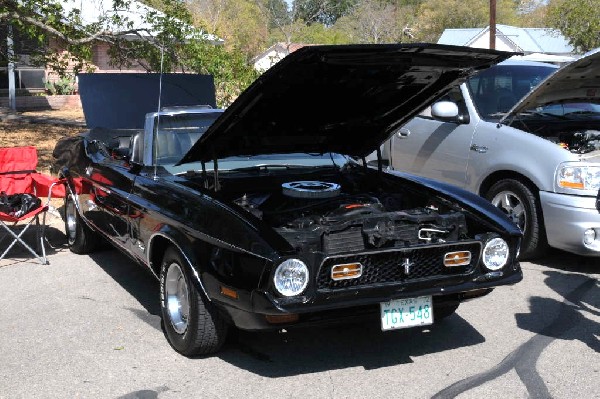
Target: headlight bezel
[495,244]
[577,177]
[291,289]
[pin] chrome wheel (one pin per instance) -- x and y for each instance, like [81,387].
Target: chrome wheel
[177,298]
[71,220]
[512,205]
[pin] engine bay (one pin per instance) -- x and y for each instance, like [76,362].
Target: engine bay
[578,137]
[321,216]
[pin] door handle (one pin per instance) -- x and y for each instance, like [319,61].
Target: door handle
[403,133]
[479,148]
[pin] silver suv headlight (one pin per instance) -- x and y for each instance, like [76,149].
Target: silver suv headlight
[291,277]
[578,177]
[495,254]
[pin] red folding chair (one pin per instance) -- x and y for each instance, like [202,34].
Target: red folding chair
[18,176]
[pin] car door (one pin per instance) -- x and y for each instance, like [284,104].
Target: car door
[110,181]
[435,149]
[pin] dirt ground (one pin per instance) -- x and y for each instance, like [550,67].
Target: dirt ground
[41,129]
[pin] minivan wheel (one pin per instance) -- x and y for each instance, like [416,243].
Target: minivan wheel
[521,205]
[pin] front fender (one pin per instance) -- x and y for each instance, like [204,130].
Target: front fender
[171,237]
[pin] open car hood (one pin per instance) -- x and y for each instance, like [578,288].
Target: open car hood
[578,81]
[344,99]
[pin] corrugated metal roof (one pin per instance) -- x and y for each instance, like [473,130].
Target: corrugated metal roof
[458,37]
[529,40]
[549,40]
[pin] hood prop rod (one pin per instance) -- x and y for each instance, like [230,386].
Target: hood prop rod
[379,160]
[216,166]
[204,177]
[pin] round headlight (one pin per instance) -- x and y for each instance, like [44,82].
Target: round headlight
[291,277]
[495,254]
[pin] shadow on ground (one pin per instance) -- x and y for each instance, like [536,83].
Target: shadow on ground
[299,351]
[55,242]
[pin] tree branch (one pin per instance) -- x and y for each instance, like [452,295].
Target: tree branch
[100,35]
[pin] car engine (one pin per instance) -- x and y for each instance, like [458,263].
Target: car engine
[320,216]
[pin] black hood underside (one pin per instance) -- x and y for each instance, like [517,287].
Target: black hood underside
[343,99]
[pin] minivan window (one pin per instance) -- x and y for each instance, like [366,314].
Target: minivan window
[496,90]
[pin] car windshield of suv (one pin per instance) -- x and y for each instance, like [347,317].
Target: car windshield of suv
[566,111]
[496,90]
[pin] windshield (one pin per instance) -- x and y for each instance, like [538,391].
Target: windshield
[176,133]
[496,90]
[266,163]
[568,110]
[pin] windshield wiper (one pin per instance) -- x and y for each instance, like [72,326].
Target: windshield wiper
[583,112]
[275,167]
[540,113]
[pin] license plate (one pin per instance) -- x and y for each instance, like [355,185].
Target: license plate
[406,312]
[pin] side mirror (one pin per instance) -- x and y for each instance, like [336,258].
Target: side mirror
[445,111]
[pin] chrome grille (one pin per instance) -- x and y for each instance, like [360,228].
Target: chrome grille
[390,267]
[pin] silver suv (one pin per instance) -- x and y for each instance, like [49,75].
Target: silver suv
[536,159]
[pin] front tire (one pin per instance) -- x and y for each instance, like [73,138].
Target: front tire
[192,324]
[521,205]
[80,237]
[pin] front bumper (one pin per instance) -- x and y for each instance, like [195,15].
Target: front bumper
[566,218]
[352,304]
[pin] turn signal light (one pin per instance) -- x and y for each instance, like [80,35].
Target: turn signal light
[346,271]
[229,292]
[571,184]
[459,258]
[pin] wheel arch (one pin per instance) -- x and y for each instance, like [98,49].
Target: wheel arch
[496,176]
[158,244]
[536,244]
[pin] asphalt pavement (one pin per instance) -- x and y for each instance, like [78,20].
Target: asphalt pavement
[90,327]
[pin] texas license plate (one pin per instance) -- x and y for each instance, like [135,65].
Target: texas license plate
[406,312]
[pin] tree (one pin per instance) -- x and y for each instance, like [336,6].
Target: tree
[434,18]
[42,20]
[230,70]
[532,13]
[577,20]
[241,23]
[326,12]
[374,21]
[162,40]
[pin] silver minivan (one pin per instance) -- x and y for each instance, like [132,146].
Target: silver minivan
[537,159]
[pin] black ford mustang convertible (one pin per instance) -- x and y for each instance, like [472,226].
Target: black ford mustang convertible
[268,216]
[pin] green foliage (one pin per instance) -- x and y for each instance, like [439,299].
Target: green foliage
[315,33]
[64,85]
[229,68]
[167,42]
[326,12]
[279,14]
[433,19]
[375,22]
[34,19]
[577,20]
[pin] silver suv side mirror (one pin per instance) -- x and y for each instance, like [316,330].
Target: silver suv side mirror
[445,111]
